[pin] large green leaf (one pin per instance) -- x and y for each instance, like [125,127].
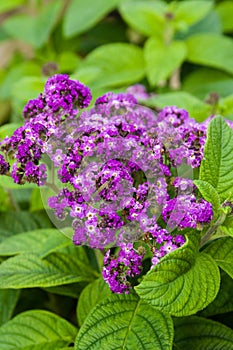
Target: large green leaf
[17,222]
[224,301]
[196,108]
[112,65]
[36,330]
[124,322]
[146,17]
[183,283]
[161,59]
[8,300]
[197,333]
[222,252]
[82,15]
[189,12]
[225,10]
[28,270]
[217,165]
[209,193]
[41,242]
[211,50]
[205,80]
[90,296]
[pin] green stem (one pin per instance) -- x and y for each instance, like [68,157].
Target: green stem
[212,229]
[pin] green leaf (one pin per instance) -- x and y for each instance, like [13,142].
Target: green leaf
[28,271]
[227,226]
[223,302]
[109,68]
[211,50]
[197,333]
[222,252]
[125,318]
[41,242]
[225,10]
[189,12]
[8,130]
[81,15]
[36,330]
[8,300]
[10,4]
[16,73]
[33,30]
[183,283]
[203,81]
[8,182]
[209,24]
[90,296]
[209,193]
[196,108]
[217,165]
[36,202]
[46,21]
[146,17]
[17,222]
[72,290]
[162,60]
[27,88]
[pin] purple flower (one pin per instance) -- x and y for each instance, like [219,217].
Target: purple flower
[4,166]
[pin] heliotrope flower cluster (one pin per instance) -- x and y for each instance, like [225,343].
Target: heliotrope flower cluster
[43,116]
[117,167]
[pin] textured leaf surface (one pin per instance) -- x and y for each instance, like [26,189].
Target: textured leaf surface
[18,222]
[8,300]
[197,333]
[224,301]
[183,283]
[82,15]
[90,296]
[36,330]
[41,242]
[222,252]
[28,270]
[162,60]
[209,193]
[113,65]
[217,165]
[211,50]
[124,322]
[227,226]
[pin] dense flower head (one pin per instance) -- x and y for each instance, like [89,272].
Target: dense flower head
[186,211]
[118,170]
[62,97]
[118,269]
